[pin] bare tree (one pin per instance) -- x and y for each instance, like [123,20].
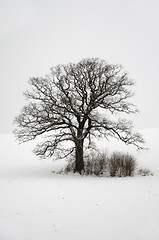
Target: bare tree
[75,103]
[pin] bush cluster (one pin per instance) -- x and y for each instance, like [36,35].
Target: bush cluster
[116,165]
[122,165]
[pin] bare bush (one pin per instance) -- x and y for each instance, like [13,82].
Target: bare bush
[144,172]
[100,164]
[70,166]
[121,164]
[96,164]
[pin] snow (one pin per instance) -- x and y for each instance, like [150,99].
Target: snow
[36,204]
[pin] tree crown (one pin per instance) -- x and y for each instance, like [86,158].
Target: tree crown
[73,103]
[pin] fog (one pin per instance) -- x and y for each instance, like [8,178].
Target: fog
[36,35]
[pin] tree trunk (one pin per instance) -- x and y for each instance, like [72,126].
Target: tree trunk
[79,163]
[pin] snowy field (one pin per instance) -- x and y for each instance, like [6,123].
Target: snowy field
[36,204]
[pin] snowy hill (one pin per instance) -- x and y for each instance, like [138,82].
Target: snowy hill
[38,205]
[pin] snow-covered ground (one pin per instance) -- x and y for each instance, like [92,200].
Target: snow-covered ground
[38,205]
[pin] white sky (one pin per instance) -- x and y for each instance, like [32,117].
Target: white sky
[38,34]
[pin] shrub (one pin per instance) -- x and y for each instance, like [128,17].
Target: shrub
[94,164]
[70,166]
[98,164]
[121,165]
[144,172]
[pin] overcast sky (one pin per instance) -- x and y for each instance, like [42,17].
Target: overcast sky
[38,34]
